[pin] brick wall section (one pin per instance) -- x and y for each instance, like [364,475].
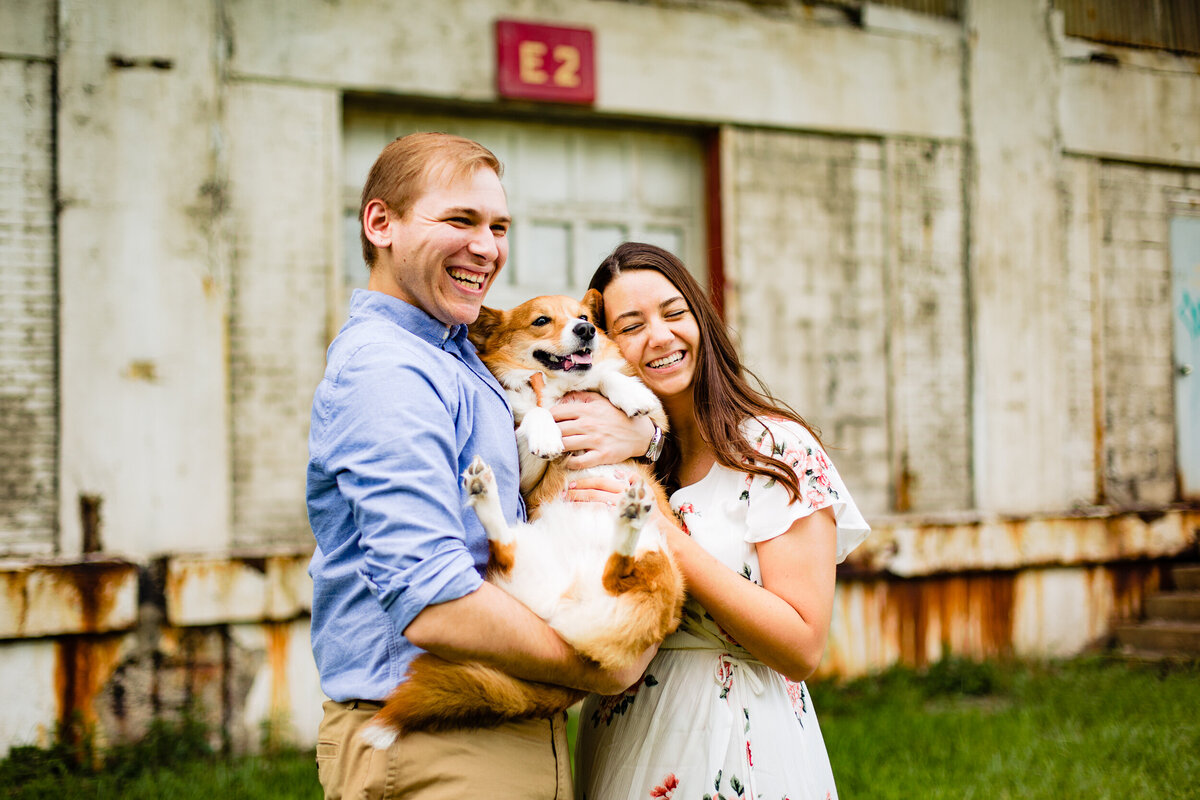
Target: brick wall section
[28,308]
[927,345]
[1135,297]
[808,277]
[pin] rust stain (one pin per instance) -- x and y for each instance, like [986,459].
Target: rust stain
[278,637]
[970,614]
[83,665]
[1131,582]
[74,597]
[904,482]
[173,586]
[96,586]
[16,588]
[142,370]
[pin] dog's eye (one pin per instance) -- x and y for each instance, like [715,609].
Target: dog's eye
[540,321]
[584,317]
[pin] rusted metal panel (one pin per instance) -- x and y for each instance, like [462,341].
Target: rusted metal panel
[911,549]
[236,678]
[43,598]
[1036,613]
[1167,24]
[215,589]
[285,692]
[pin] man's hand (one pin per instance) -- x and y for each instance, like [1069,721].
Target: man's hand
[596,432]
[620,680]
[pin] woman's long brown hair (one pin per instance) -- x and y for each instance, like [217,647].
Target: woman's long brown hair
[721,389]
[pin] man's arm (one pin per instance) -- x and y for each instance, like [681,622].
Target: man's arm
[398,470]
[490,626]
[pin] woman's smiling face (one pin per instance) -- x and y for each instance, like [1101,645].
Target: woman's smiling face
[650,321]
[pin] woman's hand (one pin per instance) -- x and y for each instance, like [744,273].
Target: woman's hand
[596,432]
[599,488]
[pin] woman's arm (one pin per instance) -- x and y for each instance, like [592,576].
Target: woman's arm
[785,622]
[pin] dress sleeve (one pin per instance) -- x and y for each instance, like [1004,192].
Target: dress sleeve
[770,510]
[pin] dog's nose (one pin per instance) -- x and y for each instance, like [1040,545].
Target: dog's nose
[584,330]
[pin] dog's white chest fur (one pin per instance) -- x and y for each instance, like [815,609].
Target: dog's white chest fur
[563,555]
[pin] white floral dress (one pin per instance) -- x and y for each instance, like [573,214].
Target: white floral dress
[708,721]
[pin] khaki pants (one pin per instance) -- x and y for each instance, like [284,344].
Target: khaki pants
[521,760]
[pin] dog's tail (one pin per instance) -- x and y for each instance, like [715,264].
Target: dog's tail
[441,695]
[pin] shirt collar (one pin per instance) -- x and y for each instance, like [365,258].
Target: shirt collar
[364,302]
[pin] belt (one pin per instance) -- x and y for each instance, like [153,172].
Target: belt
[365,705]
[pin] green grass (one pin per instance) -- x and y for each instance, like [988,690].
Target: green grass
[1090,728]
[279,777]
[174,760]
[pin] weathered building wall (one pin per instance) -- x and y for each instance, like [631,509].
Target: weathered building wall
[142,282]
[1021,396]
[28,299]
[285,228]
[984,586]
[849,299]
[944,243]
[1133,264]
[928,350]
[808,257]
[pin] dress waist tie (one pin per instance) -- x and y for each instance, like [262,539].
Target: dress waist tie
[728,666]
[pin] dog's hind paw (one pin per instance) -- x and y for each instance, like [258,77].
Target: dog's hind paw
[635,504]
[633,510]
[378,735]
[479,481]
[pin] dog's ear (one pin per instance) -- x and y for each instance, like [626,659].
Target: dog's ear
[593,301]
[479,330]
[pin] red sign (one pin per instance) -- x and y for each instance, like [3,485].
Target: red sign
[545,62]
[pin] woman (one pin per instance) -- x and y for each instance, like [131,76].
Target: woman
[722,710]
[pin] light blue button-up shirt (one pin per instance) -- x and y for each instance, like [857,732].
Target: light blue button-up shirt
[404,407]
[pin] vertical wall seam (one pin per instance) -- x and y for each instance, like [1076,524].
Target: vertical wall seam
[968,208]
[891,296]
[55,277]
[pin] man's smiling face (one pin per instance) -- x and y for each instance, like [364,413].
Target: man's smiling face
[447,249]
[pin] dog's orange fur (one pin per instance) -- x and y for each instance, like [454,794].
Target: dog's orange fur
[438,694]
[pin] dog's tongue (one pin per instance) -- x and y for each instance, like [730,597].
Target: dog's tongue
[576,359]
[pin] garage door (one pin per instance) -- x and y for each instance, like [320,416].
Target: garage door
[574,193]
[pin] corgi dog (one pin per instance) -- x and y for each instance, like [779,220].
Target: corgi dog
[600,575]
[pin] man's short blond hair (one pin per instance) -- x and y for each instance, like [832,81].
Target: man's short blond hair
[407,167]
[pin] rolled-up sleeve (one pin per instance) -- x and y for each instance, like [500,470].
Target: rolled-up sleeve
[394,454]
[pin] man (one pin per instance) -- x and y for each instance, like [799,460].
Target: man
[404,406]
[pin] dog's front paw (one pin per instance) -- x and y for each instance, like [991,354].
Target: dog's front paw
[479,481]
[631,396]
[541,434]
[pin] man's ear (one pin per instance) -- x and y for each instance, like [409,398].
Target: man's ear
[483,326]
[593,301]
[376,223]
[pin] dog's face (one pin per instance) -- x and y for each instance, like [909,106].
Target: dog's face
[550,333]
